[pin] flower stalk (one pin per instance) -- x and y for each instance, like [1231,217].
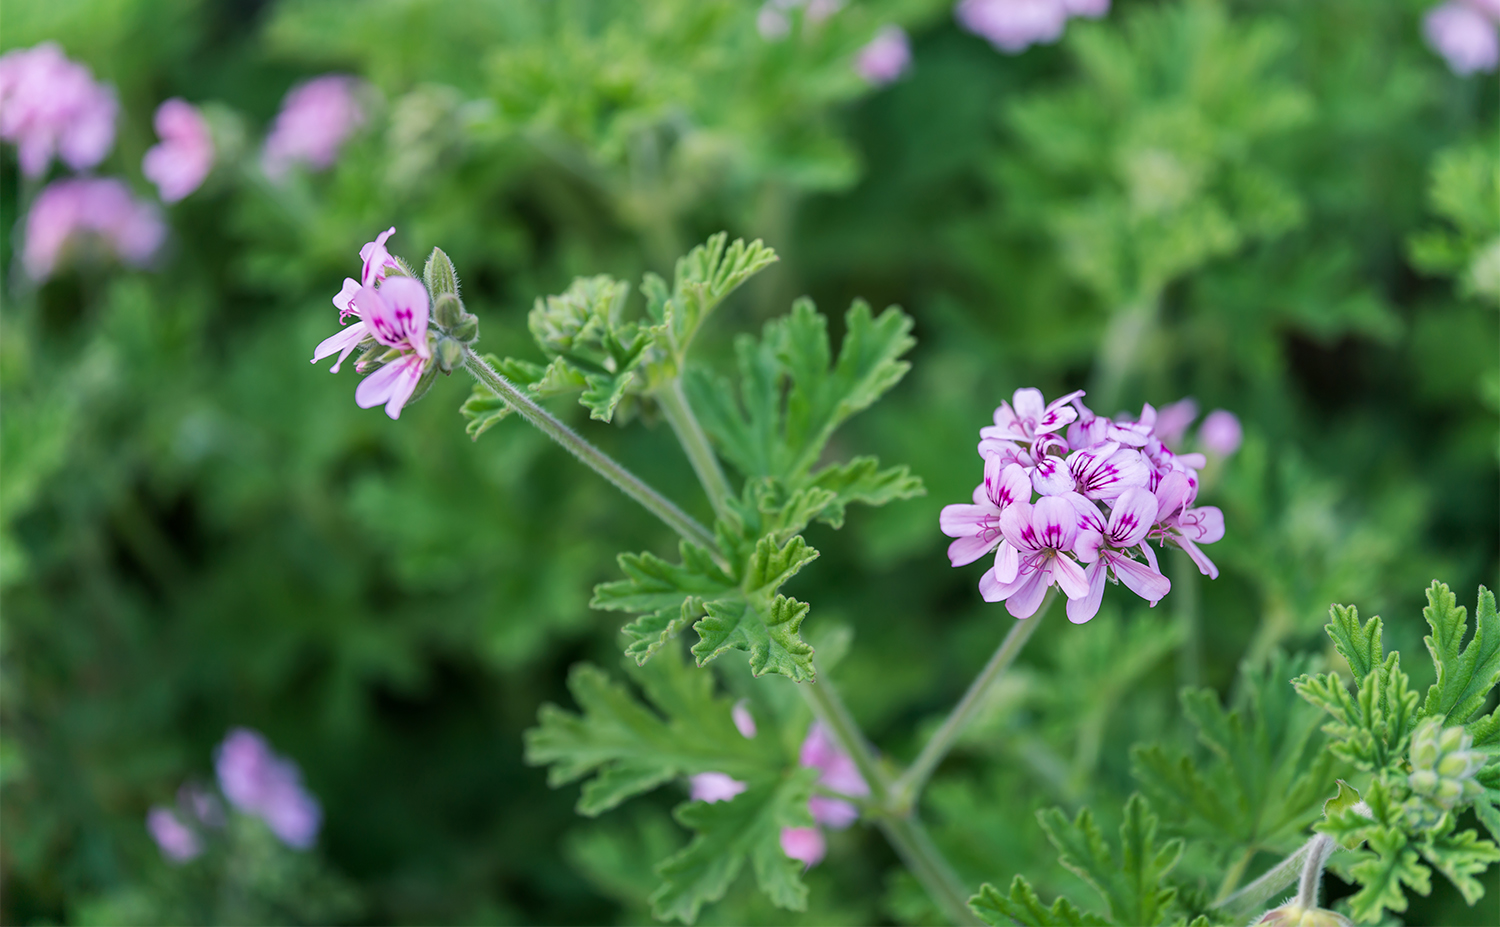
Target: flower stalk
[907,789]
[600,462]
[694,440]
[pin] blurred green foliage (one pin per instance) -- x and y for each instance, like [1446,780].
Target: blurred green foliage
[1282,208]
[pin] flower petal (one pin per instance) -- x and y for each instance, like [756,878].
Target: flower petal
[1007,562]
[1070,577]
[804,844]
[411,375]
[1086,607]
[345,298]
[1205,565]
[961,521]
[1133,515]
[1055,521]
[1027,596]
[1015,525]
[965,551]
[1052,477]
[396,313]
[376,259]
[341,344]
[1204,525]
[376,389]
[1140,579]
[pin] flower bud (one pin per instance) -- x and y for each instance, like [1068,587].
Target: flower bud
[467,328]
[450,354]
[439,275]
[1424,752]
[448,310]
[1424,782]
[1456,765]
[1292,914]
[1449,791]
[1454,738]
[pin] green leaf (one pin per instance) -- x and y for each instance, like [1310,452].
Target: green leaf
[792,396]
[861,480]
[771,636]
[1023,907]
[1130,882]
[704,278]
[1383,871]
[1460,857]
[1358,644]
[1465,675]
[631,748]
[1268,772]
[1346,800]
[484,409]
[728,833]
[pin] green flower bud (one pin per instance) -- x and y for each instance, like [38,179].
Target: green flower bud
[450,354]
[1454,739]
[448,310]
[1457,765]
[1424,781]
[1449,791]
[467,328]
[1292,914]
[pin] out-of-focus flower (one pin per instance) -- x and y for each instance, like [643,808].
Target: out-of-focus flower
[1089,9]
[1014,25]
[744,721]
[1220,433]
[804,844]
[715,786]
[201,804]
[86,213]
[179,164]
[837,774]
[316,118]
[885,58]
[178,842]
[1172,421]
[52,105]
[1464,35]
[258,782]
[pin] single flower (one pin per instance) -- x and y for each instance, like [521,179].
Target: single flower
[316,118]
[1187,527]
[258,782]
[1106,545]
[1036,552]
[838,773]
[885,58]
[977,526]
[177,842]
[1028,416]
[50,105]
[180,163]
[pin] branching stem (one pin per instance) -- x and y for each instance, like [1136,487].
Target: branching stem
[606,466]
[909,786]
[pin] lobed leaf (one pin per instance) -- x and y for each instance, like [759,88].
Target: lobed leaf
[1131,883]
[1023,907]
[1465,674]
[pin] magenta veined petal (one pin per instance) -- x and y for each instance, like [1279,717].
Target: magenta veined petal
[1052,477]
[1069,576]
[396,313]
[342,344]
[1133,515]
[1028,593]
[961,520]
[344,301]
[1015,525]
[1055,522]
[392,385]
[966,550]
[1204,525]
[377,260]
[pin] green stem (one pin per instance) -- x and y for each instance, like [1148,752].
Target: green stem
[1313,854]
[1119,351]
[902,829]
[909,786]
[600,462]
[690,434]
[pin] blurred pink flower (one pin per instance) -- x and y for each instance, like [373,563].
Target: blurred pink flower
[89,211]
[1089,9]
[1462,33]
[838,774]
[804,844]
[744,721]
[52,105]
[316,118]
[258,782]
[1014,25]
[1220,433]
[1172,421]
[178,842]
[885,58]
[179,164]
[715,786]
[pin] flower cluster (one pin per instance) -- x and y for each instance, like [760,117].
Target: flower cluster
[89,213]
[179,164]
[1444,763]
[837,774]
[256,782]
[1466,33]
[50,105]
[316,118]
[1015,25]
[1077,507]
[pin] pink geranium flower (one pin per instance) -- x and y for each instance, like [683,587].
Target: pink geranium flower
[804,844]
[1464,35]
[1012,26]
[1181,524]
[1106,470]
[376,264]
[715,786]
[258,782]
[179,164]
[1106,545]
[51,105]
[177,842]
[1029,418]
[977,526]
[396,315]
[97,213]
[837,774]
[1221,433]
[1037,552]
[316,118]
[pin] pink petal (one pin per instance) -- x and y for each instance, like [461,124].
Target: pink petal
[396,313]
[804,844]
[1052,477]
[341,344]
[376,259]
[344,301]
[1133,516]
[395,380]
[1171,494]
[1015,525]
[1027,403]
[1205,565]
[1008,485]
[1086,607]
[965,551]
[744,721]
[1140,579]
[715,786]
[1069,576]
[1007,562]
[411,375]
[1027,596]
[831,812]
[1204,525]
[1055,522]
[961,521]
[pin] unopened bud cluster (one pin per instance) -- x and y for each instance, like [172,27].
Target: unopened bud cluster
[402,352]
[1443,765]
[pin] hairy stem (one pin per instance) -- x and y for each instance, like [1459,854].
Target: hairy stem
[909,786]
[690,434]
[606,466]
[1312,855]
[902,828]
